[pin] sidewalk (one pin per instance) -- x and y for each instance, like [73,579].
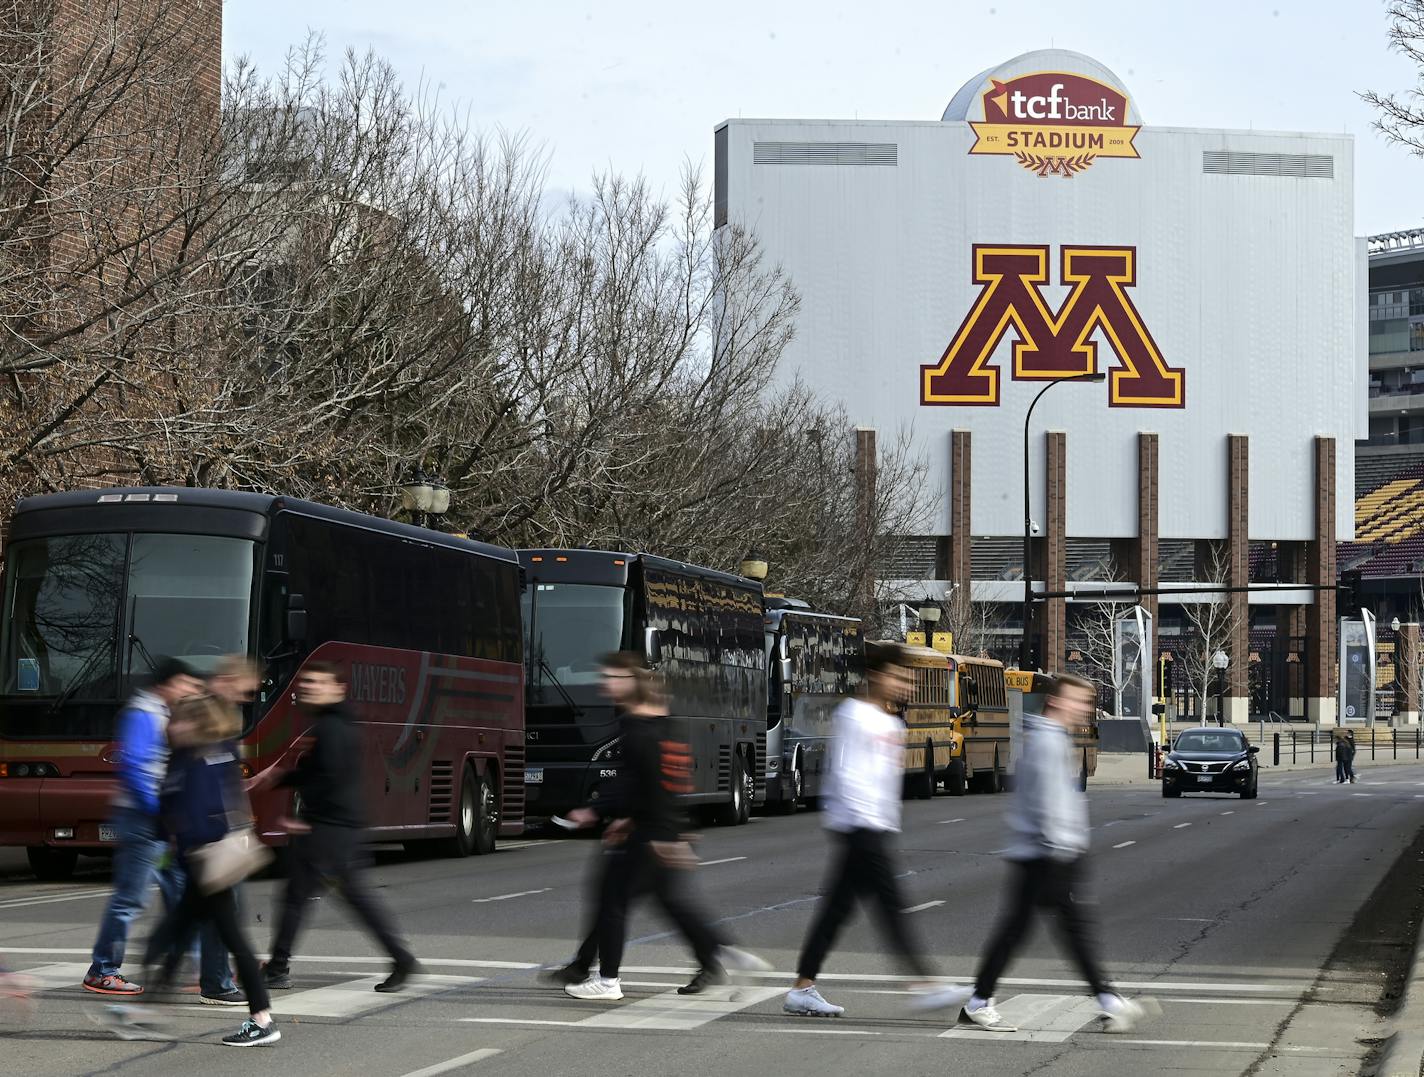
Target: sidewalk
[1130,768]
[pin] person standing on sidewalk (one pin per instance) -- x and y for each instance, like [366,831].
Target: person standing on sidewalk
[1345,751]
[142,762]
[1049,817]
[645,821]
[328,842]
[862,813]
[202,801]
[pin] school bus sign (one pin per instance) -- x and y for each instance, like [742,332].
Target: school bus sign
[1054,123]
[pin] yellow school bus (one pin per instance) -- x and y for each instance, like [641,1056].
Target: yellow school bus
[931,735]
[1085,737]
[984,744]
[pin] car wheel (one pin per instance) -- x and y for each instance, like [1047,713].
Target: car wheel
[954,780]
[51,865]
[1170,794]
[1249,794]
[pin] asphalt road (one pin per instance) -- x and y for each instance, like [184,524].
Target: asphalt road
[1231,913]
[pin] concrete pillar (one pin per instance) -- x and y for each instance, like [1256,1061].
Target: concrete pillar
[1407,662]
[1053,612]
[1322,651]
[1238,557]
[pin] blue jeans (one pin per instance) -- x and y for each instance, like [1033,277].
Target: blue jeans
[136,869]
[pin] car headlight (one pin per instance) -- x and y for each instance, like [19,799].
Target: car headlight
[1171,764]
[1241,764]
[612,750]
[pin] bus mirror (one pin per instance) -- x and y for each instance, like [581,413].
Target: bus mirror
[296,618]
[783,646]
[786,671]
[652,646]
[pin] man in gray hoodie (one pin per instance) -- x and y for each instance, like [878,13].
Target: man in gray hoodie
[1049,819]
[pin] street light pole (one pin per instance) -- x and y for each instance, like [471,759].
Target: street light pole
[1028,520]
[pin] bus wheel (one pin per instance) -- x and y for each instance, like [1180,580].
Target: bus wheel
[738,810]
[487,815]
[1083,775]
[788,804]
[996,779]
[52,865]
[925,783]
[954,780]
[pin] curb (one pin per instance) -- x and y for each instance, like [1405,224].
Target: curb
[1402,1052]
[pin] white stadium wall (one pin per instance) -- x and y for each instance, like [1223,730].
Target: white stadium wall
[1248,286]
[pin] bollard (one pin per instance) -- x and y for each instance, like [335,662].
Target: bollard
[1373,737]
[1276,750]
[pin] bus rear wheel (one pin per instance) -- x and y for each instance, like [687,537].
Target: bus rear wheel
[954,781]
[474,828]
[51,865]
[739,809]
[925,780]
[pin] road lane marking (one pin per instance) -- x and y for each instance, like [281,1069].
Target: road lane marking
[672,1012]
[922,908]
[1362,794]
[516,1021]
[1236,1001]
[21,903]
[1227,1043]
[1180,825]
[506,897]
[1228,813]
[724,860]
[1040,1019]
[943,821]
[1124,844]
[456,1063]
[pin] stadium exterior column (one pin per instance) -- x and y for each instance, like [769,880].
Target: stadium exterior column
[1320,627]
[1238,552]
[1053,612]
[1290,626]
[1406,659]
[865,510]
[960,569]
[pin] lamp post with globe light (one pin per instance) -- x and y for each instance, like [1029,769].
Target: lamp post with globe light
[424,497]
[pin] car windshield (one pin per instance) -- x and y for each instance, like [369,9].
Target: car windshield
[1208,741]
[571,626]
[85,613]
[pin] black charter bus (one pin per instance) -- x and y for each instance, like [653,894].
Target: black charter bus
[814,661]
[699,629]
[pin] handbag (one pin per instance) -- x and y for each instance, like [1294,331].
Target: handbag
[224,863]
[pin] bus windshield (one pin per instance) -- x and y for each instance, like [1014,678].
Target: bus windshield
[85,613]
[571,627]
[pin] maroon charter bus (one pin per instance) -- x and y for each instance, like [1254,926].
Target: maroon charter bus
[99,584]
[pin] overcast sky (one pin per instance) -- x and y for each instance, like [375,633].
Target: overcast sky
[639,86]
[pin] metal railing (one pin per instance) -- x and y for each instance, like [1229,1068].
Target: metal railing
[1296,746]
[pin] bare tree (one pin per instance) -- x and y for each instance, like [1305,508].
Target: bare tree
[1212,622]
[976,625]
[1097,622]
[1401,116]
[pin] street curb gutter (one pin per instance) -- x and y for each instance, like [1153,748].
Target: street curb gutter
[1402,1053]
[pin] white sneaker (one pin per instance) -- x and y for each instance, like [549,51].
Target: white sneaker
[987,1017]
[939,997]
[1121,1015]
[742,960]
[807,1002]
[596,989]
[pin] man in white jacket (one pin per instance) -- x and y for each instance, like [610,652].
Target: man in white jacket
[863,814]
[1049,820]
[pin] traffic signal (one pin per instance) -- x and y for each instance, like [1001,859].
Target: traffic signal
[1349,596]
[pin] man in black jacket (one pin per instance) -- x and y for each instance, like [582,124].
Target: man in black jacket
[327,846]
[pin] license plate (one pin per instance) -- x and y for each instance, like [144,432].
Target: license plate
[108,832]
[534,776]
[1205,777]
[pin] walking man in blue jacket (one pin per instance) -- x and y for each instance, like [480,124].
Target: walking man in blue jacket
[142,762]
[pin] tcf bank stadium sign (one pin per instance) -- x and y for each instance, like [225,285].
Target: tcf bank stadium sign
[1054,123]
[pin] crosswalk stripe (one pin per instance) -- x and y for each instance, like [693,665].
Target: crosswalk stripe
[355,997]
[1040,1019]
[679,1013]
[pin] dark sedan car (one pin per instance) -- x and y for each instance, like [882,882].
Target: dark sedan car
[1210,760]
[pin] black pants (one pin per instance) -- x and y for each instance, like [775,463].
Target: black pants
[608,886]
[641,871]
[863,868]
[194,908]
[332,856]
[1049,885]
